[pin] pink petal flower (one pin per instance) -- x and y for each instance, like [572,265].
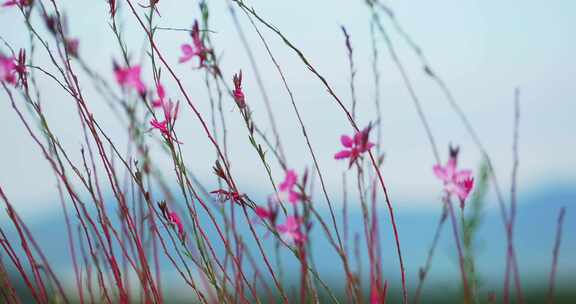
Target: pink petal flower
[263,213]
[7,69]
[355,146]
[161,95]
[130,77]
[238,93]
[289,180]
[291,229]
[10,3]
[286,189]
[196,49]
[175,220]
[456,182]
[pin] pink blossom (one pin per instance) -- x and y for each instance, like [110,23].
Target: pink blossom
[174,219]
[263,213]
[286,189]
[238,93]
[354,147]
[197,48]
[7,69]
[162,126]
[291,230]
[10,3]
[161,95]
[456,182]
[170,113]
[130,77]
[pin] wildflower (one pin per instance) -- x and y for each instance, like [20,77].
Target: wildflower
[291,230]
[170,113]
[267,214]
[197,48]
[162,126]
[130,77]
[238,93]
[286,189]
[7,69]
[456,182]
[354,147]
[10,3]
[161,95]
[174,219]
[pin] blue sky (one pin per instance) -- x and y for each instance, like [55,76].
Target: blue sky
[483,49]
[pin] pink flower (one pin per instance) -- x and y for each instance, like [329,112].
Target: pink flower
[174,219]
[354,147]
[130,77]
[286,189]
[291,230]
[8,69]
[9,3]
[267,214]
[238,93]
[162,126]
[170,113]
[197,48]
[456,182]
[263,213]
[161,95]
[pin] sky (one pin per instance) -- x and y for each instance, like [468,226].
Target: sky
[482,49]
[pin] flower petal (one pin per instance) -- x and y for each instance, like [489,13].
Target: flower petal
[342,154]
[346,141]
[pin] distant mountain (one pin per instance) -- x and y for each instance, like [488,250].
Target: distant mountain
[534,237]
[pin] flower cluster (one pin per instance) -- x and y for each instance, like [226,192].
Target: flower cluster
[355,146]
[456,182]
[293,229]
[196,49]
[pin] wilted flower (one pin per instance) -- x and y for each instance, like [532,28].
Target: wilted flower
[72,45]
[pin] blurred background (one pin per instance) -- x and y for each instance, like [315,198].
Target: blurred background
[483,50]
